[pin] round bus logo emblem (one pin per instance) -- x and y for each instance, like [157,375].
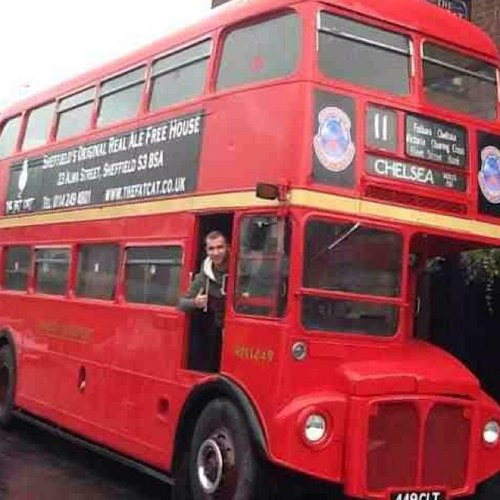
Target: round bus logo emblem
[333,143]
[489,175]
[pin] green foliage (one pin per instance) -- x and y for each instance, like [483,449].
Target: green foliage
[483,266]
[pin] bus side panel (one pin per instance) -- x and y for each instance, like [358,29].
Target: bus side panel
[37,373]
[104,369]
[271,114]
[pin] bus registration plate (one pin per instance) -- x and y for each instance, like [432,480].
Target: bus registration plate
[418,495]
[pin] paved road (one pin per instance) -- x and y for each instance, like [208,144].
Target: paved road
[35,465]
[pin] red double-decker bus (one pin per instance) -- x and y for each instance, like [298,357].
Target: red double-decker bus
[340,146]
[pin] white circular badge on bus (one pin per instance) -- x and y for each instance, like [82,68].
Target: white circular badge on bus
[489,175]
[333,143]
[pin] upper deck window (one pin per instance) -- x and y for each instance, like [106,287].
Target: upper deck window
[8,136]
[38,128]
[459,82]
[120,96]
[264,50]
[73,113]
[180,76]
[346,260]
[364,55]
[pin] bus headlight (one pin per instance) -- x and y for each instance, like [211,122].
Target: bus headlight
[315,428]
[491,432]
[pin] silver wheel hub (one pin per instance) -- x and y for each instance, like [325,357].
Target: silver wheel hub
[210,465]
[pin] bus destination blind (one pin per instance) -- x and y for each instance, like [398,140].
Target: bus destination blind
[408,172]
[436,141]
[154,161]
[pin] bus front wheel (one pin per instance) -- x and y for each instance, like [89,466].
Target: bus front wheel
[222,462]
[6,384]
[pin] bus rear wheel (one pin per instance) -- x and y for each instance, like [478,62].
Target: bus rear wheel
[6,384]
[222,462]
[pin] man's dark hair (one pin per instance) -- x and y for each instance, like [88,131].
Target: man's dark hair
[215,234]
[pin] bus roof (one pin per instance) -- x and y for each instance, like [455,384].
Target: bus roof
[417,15]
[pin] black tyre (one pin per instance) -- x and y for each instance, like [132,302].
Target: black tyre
[489,490]
[222,462]
[7,384]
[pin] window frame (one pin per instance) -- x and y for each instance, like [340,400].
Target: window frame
[452,49]
[371,24]
[121,290]
[24,128]
[20,131]
[29,277]
[68,286]
[100,95]
[171,52]
[74,274]
[400,302]
[219,50]
[288,220]
[399,299]
[59,112]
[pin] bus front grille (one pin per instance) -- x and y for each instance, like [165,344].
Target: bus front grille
[393,446]
[409,447]
[416,200]
[446,446]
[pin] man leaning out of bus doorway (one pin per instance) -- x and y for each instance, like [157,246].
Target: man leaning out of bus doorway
[206,294]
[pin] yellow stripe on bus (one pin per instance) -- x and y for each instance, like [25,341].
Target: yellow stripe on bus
[247,199]
[354,206]
[184,204]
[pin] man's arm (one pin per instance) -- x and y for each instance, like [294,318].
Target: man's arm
[187,301]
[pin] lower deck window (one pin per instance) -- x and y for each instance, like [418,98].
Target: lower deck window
[51,270]
[349,316]
[16,268]
[152,275]
[351,278]
[262,272]
[97,268]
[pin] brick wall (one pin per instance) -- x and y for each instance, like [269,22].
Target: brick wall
[486,14]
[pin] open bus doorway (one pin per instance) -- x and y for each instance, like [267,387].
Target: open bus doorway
[455,308]
[200,323]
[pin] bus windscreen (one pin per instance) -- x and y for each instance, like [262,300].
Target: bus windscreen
[348,264]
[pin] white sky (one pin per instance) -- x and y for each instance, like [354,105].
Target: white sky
[45,42]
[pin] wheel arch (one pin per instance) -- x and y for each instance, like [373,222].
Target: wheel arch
[199,397]
[7,339]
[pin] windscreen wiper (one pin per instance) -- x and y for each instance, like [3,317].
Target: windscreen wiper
[337,241]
